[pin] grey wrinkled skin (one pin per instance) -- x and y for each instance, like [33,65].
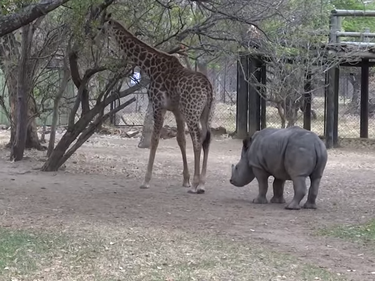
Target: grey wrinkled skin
[286,154]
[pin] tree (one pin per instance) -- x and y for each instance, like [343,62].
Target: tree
[18,146]
[43,42]
[97,67]
[295,53]
[208,30]
[56,102]
[26,15]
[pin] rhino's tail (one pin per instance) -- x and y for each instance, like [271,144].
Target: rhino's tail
[321,157]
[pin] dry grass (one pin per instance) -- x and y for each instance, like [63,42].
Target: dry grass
[146,254]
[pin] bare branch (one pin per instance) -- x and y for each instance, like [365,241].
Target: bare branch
[14,21]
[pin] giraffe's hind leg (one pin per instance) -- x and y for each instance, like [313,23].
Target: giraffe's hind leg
[195,134]
[206,148]
[181,140]
[206,141]
[159,114]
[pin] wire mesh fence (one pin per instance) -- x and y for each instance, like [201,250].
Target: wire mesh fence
[225,88]
[225,107]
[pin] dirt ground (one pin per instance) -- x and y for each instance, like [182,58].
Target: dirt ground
[100,185]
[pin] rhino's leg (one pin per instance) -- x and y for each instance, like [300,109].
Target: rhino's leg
[313,193]
[299,185]
[278,191]
[262,178]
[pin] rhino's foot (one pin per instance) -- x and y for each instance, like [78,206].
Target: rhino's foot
[260,200]
[293,206]
[279,200]
[309,205]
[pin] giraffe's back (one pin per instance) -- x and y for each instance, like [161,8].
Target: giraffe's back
[191,91]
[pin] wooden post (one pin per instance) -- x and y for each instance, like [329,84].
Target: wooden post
[307,103]
[329,106]
[336,107]
[242,97]
[263,98]
[254,98]
[364,98]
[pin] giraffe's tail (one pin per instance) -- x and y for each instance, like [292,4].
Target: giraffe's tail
[206,118]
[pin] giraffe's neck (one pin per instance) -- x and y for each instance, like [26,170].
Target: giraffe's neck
[150,60]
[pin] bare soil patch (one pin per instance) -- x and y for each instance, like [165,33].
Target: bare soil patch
[98,196]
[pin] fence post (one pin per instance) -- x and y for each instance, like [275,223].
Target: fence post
[364,98]
[263,98]
[242,96]
[336,107]
[307,103]
[329,106]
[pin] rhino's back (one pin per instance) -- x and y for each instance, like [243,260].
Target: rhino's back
[285,153]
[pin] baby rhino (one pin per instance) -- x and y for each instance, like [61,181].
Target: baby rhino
[286,154]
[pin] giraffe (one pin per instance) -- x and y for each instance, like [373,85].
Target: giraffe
[186,93]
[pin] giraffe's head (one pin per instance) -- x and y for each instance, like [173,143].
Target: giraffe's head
[113,28]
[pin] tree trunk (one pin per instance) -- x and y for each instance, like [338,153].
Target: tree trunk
[11,72]
[18,146]
[148,127]
[281,114]
[32,139]
[52,137]
[53,162]
[56,102]
[82,129]
[291,112]
[353,106]
[12,91]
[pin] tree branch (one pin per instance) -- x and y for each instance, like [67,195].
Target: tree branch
[12,22]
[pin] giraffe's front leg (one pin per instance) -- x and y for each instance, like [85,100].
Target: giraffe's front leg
[158,124]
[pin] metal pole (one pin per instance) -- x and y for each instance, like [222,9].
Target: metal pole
[353,13]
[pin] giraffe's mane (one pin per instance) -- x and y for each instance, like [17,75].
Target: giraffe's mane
[120,27]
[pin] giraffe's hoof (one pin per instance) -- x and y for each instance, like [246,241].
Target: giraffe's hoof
[192,191]
[200,191]
[196,191]
[186,184]
[144,186]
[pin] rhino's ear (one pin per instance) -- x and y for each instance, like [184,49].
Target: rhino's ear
[246,143]
[255,133]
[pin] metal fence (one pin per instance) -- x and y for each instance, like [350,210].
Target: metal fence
[225,107]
